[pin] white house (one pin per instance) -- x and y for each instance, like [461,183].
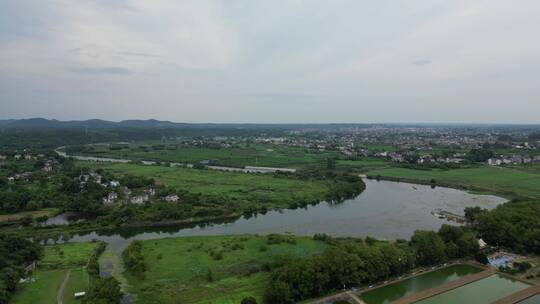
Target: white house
[114,183]
[171,198]
[111,197]
[139,199]
[494,162]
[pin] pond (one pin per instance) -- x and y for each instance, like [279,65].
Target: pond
[532,300]
[484,291]
[392,292]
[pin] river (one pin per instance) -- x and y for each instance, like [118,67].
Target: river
[387,210]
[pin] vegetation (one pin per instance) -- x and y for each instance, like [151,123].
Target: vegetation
[57,261]
[514,225]
[133,259]
[15,254]
[239,273]
[353,264]
[214,194]
[239,156]
[503,181]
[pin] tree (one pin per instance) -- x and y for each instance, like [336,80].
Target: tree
[472,213]
[430,248]
[105,291]
[248,300]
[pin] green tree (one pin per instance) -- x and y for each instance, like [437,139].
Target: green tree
[430,248]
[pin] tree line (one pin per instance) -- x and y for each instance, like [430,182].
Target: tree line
[350,264]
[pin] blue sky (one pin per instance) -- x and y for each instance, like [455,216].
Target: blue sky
[271,61]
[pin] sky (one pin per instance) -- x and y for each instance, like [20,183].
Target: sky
[271,61]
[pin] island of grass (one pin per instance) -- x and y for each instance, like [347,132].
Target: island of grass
[63,264]
[508,182]
[213,269]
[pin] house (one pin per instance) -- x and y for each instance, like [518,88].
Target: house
[481,244]
[494,162]
[111,197]
[28,157]
[125,190]
[114,183]
[11,179]
[150,190]
[17,156]
[171,198]
[3,157]
[47,167]
[23,176]
[139,199]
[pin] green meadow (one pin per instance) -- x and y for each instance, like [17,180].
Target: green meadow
[230,185]
[267,155]
[213,269]
[508,182]
[57,261]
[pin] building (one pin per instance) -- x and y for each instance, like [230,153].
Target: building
[150,190]
[494,162]
[111,197]
[173,198]
[139,199]
[114,183]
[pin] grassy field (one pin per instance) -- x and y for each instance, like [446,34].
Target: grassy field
[246,155]
[183,270]
[363,165]
[504,181]
[70,255]
[234,186]
[25,214]
[51,271]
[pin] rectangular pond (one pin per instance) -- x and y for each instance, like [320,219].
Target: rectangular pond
[532,300]
[484,291]
[392,292]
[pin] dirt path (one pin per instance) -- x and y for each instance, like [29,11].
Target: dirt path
[62,286]
[355,298]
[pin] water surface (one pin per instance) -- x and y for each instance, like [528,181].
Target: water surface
[484,291]
[392,292]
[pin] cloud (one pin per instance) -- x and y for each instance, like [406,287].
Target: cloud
[101,71]
[422,62]
[228,60]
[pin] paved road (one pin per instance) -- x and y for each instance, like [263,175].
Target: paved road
[62,286]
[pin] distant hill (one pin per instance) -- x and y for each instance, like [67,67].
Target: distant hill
[33,123]
[42,123]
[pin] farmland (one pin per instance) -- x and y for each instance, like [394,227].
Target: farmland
[216,269]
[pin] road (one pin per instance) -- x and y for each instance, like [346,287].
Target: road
[62,286]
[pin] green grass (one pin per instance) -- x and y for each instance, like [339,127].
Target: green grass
[67,255]
[234,186]
[246,155]
[46,280]
[79,280]
[363,165]
[42,290]
[499,180]
[177,268]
